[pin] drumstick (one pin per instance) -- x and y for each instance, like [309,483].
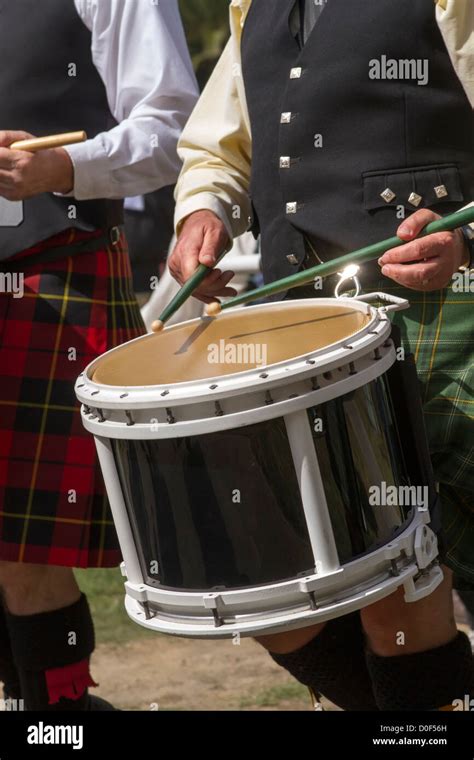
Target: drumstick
[183,294]
[34,144]
[369,253]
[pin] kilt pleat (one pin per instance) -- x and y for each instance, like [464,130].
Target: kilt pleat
[53,507]
[439,330]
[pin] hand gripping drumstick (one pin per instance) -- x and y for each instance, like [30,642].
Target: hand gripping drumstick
[183,294]
[370,253]
[34,144]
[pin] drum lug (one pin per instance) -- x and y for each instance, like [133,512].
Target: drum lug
[308,587]
[427,582]
[426,546]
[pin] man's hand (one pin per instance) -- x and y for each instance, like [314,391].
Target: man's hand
[202,239]
[24,174]
[428,263]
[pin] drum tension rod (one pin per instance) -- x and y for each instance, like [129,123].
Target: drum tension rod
[312,600]
[146,609]
[219,412]
[314,384]
[377,354]
[170,417]
[217,621]
[395,570]
[100,415]
[130,419]
[352,369]
[268,398]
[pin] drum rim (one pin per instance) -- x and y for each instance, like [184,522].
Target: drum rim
[86,388]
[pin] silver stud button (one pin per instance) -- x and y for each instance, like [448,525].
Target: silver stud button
[441,191]
[415,199]
[292,259]
[285,117]
[296,72]
[291,208]
[285,162]
[388,195]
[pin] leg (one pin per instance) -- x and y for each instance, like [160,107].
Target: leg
[329,658]
[8,672]
[289,641]
[51,635]
[416,658]
[32,589]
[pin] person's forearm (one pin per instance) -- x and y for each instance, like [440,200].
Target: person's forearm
[216,151]
[134,158]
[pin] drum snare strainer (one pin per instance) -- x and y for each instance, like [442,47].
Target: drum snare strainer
[267,469]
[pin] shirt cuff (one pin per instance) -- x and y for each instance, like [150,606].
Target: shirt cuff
[202,202]
[91,178]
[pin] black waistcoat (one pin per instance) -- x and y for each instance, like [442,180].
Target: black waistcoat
[377,134]
[40,42]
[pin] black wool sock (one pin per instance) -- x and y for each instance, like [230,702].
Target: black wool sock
[429,680]
[8,672]
[51,652]
[333,664]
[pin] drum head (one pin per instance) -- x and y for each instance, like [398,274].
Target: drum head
[234,342]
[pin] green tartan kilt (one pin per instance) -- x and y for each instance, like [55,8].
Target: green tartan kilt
[439,330]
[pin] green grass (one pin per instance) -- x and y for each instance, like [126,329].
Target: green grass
[105,591]
[276,695]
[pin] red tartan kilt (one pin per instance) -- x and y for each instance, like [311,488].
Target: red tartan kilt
[53,508]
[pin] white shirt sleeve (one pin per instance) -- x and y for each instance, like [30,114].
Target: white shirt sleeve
[140,52]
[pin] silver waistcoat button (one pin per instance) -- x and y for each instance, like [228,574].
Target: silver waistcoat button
[296,72]
[441,191]
[291,208]
[285,117]
[415,199]
[292,259]
[285,162]
[388,195]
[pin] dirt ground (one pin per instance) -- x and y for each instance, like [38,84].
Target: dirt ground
[180,674]
[169,673]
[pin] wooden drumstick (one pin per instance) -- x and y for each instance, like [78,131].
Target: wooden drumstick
[183,294]
[34,144]
[362,255]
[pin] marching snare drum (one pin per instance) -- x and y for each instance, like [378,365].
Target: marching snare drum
[259,465]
